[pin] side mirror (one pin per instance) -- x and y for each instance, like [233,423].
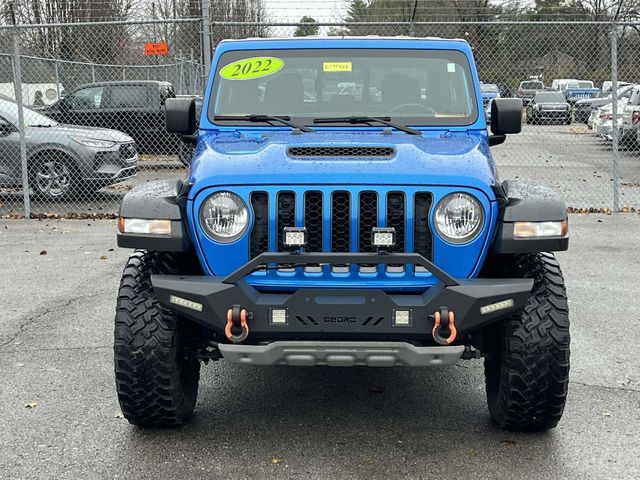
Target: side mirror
[506,118]
[180,115]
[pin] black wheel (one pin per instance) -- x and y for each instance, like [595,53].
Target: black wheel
[54,176]
[527,371]
[156,385]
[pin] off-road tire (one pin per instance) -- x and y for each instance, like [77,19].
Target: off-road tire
[156,385]
[527,375]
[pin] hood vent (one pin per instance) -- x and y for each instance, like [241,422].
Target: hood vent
[337,152]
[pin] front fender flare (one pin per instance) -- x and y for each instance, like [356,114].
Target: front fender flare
[162,200]
[528,202]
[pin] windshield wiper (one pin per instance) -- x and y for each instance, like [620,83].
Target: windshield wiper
[286,120]
[358,120]
[40,126]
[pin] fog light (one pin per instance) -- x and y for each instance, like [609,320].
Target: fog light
[278,316]
[295,236]
[540,229]
[383,236]
[144,227]
[402,318]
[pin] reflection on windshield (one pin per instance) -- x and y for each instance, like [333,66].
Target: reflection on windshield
[423,87]
[9,110]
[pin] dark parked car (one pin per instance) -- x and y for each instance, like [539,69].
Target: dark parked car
[62,159]
[135,108]
[583,108]
[528,89]
[549,105]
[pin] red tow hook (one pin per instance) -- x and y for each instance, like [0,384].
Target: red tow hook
[444,320]
[237,329]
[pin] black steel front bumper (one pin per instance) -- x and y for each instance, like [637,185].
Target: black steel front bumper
[340,314]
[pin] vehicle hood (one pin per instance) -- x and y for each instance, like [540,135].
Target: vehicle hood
[435,158]
[79,131]
[593,102]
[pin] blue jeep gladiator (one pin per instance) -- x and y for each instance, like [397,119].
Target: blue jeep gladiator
[343,208]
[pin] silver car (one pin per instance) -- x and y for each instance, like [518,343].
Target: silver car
[62,159]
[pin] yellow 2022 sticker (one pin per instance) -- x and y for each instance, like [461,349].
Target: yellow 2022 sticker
[254,67]
[336,66]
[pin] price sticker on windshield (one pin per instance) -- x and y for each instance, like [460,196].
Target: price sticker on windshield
[336,66]
[254,67]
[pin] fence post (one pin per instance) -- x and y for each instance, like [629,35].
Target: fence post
[57,73]
[615,157]
[206,36]
[93,73]
[17,82]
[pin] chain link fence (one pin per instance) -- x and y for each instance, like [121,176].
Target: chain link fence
[580,134]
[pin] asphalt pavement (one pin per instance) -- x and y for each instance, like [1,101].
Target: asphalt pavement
[60,417]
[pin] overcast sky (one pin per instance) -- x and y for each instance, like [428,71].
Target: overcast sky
[293,10]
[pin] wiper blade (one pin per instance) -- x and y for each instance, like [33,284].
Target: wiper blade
[286,120]
[358,120]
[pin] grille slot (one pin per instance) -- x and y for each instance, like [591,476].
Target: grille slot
[259,238]
[367,220]
[396,213]
[340,218]
[286,216]
[313,220]
[422,237]
[357,152]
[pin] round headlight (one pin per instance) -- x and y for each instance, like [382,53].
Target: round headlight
[224,217]
[459,218]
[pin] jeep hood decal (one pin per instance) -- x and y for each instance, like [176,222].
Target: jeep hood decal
[432,159]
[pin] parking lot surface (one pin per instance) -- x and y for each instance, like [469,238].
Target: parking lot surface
[61,420]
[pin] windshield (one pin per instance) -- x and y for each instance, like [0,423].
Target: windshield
[550,97]
[531,85]
[578,85]
[488,88]
[419,87]
[9,110]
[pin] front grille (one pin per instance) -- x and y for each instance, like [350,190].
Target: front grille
[358,152]
[341,221]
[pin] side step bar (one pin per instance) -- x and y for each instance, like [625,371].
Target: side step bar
[341,354]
